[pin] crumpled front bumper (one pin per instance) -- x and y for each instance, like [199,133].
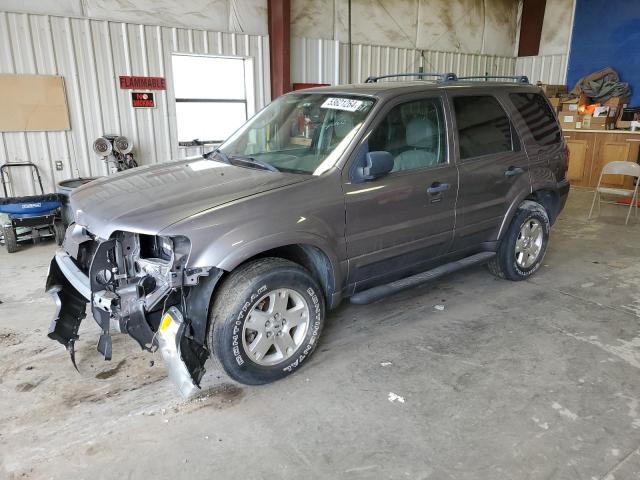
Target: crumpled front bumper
[71,297]
[71,290]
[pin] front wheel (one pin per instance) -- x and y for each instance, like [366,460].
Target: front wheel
[523,246]
[265,320]
[10,238]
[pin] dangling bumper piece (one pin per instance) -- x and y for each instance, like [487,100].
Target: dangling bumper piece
[150,311]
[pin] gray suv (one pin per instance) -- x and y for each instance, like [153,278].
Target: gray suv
[352,191]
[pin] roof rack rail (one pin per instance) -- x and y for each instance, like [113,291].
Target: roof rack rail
[518,78]
[444,77]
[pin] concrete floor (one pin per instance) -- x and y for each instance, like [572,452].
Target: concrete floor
[529,380]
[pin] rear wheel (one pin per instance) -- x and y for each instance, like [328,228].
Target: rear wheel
[10,238]
[523,247]
[265,320]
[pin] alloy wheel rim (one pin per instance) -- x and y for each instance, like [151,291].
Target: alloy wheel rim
[276,327]
[529,243]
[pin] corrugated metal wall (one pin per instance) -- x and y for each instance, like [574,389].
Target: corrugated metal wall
[91,55]
[326,61]
[315,60]
[551,69]
[377,60]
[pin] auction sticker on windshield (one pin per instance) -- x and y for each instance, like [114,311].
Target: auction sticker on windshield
[347,104]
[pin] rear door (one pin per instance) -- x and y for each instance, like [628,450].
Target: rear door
[398,223]
[493,165]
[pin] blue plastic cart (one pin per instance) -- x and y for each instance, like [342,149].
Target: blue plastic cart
[29,218]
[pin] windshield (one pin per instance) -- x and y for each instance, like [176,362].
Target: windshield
[300,133]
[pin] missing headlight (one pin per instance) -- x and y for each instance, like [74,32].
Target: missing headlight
[152,246]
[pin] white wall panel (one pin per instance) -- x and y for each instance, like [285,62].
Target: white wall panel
[474,26]
[315,60]
[465,64]
[91,55]
[327,61]
[550,69]
[556,27]
[367,60]
[242,16]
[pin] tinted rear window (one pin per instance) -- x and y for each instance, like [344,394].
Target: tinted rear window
[538,116]
[483,126]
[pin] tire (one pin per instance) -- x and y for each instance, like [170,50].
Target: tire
[59,232]
[520,265]
[244,320]
[10,238]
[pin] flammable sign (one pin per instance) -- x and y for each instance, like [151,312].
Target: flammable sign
[142,100]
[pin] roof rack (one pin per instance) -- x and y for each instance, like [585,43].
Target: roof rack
[444,77]
[518,78]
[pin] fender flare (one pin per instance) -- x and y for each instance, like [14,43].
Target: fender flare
[513,207]
[280,240]
[200,295]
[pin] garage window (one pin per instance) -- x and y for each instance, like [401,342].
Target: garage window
[211,97]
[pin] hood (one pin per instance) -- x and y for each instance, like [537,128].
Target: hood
[149,199]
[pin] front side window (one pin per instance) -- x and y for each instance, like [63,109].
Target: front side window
[537,114]
[300,133]
[483,126]
[414,133]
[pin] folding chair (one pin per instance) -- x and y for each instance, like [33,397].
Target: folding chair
[618,168]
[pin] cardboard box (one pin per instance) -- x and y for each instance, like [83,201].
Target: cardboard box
[626,124]
[590,122]
[617,101]
[569,120]
[552,90]
[555,103]
[571,105]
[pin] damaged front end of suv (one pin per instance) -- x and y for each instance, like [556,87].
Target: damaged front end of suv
[136,284]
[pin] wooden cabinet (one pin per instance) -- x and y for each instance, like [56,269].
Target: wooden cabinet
[590,151]
[577,161]
[581,146]
[611,151]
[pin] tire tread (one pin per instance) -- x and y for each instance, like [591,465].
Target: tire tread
[226,299]
[499,265]
[10,239]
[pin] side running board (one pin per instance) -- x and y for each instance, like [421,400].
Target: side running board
[381,291]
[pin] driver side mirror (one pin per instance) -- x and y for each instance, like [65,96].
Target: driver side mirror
[377,164]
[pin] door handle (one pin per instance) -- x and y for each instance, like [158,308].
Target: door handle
[513,171]
[437,187]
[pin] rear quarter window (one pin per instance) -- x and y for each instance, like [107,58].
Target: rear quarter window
[538,116]
[483,126]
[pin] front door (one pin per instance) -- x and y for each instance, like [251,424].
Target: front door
[493,167]
[398,223]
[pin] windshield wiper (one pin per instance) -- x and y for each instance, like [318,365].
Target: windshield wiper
[255,161]
[217,151]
